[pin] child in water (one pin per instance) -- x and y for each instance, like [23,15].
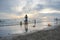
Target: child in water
[49,24]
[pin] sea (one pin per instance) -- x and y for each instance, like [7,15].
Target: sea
[12,26]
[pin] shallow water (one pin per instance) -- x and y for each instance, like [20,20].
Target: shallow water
[12,27]
[17,29]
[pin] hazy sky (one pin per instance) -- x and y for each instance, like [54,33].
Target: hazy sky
[12,9]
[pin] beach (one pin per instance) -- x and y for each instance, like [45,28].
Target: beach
[52,34]
[29,19]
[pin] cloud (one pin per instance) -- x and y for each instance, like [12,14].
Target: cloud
[38,7]
[49,10]
[8,8]
[17,8]
[54,4]
[10,16]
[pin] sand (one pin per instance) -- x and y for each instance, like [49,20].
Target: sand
[53,34]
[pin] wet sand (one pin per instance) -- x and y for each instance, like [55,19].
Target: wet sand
[53,34]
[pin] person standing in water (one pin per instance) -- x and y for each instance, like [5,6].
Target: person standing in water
[56,20]
[26,23]
[20,23]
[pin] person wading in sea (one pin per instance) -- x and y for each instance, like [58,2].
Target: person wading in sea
[20,23]
[56,20]
[26,23]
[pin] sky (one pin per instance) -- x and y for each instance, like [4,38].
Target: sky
[13,9]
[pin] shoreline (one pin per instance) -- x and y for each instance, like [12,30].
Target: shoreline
[37,34]
[53,34]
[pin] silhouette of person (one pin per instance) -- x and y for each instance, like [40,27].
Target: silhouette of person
[20,23]
[56,20]
[26,23]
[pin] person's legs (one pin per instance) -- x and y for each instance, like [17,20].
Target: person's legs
[26,28]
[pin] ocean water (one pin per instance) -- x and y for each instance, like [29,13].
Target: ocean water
[8,27]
